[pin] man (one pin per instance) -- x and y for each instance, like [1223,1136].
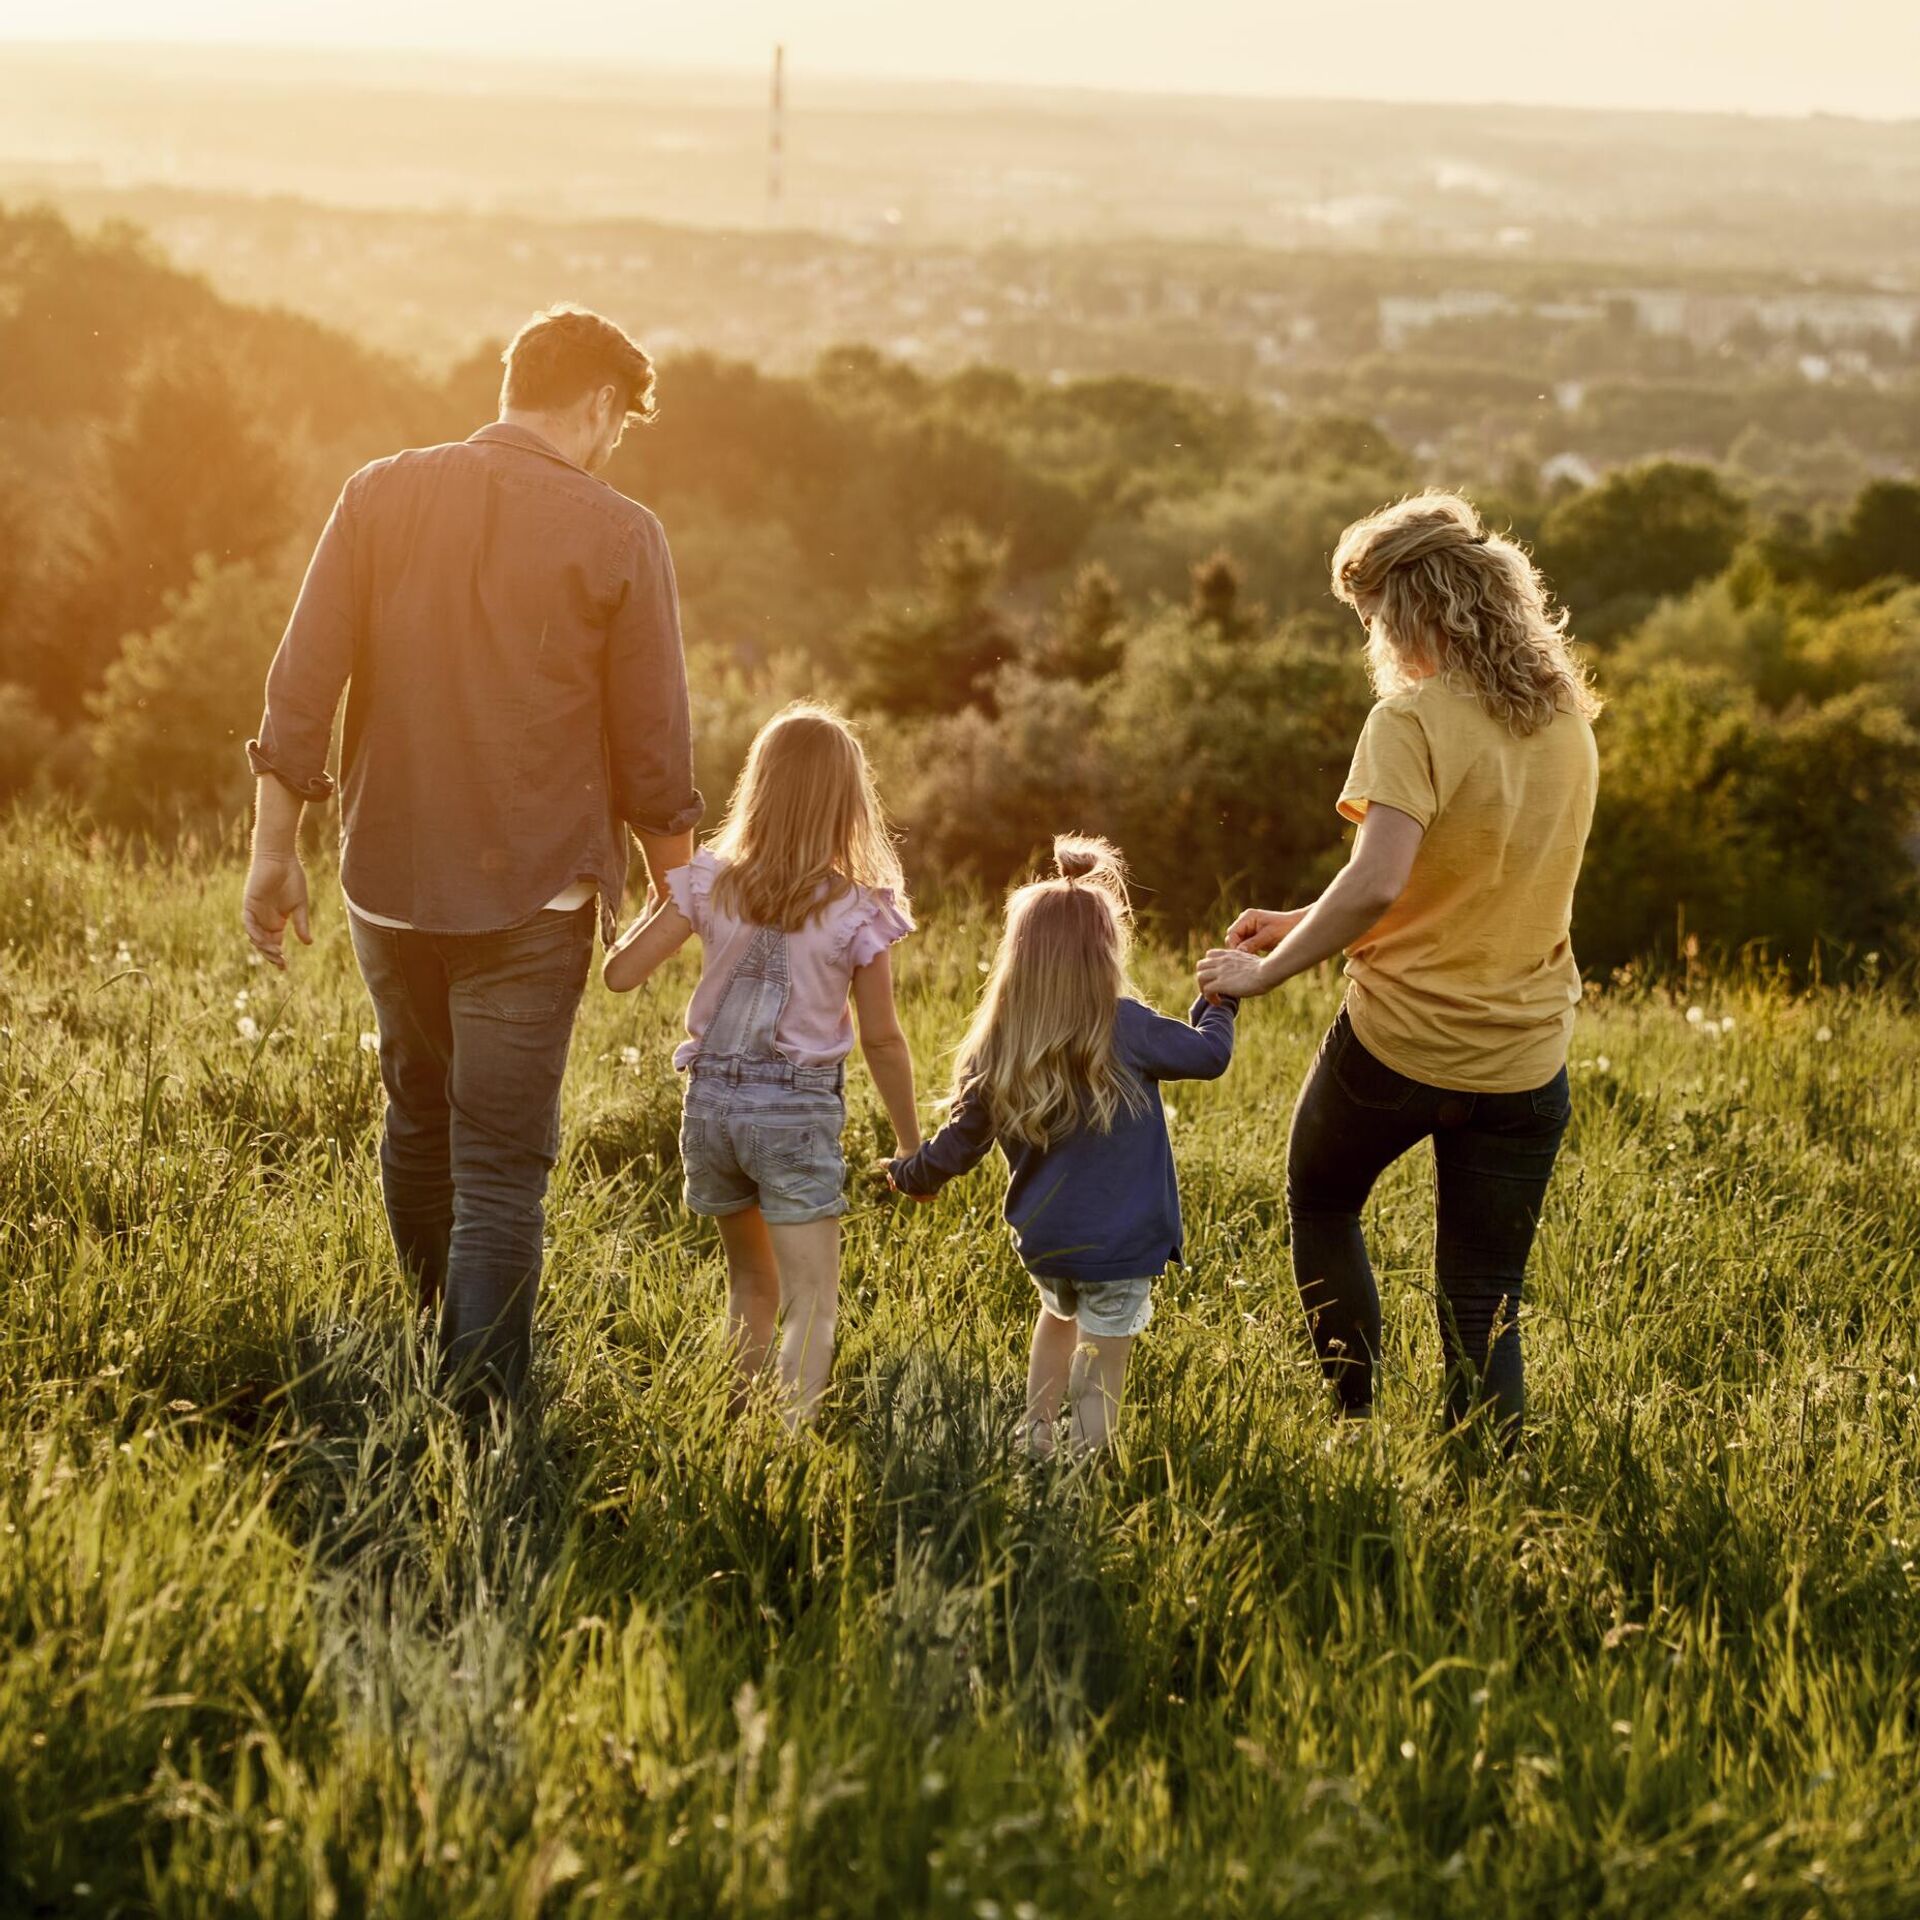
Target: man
[508,631]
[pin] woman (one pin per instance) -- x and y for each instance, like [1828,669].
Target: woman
[1473,789]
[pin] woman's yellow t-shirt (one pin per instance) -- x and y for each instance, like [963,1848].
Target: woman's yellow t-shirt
[1469,980]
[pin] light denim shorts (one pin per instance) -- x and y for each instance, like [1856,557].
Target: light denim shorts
[1106,1309]
[747,1143]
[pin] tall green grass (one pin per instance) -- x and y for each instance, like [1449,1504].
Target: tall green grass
[274,1639]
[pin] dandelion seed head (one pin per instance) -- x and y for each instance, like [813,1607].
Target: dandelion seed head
[630,1056]
[369,1043]
[1823,1034]
[247,1027]
[1695,1015]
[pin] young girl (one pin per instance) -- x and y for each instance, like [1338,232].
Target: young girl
[1063,1068]
[798,899]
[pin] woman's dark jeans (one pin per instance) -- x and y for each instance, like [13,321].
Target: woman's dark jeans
[1493,1156]
[474,1030]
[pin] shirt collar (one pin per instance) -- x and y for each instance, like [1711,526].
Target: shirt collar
[503,433]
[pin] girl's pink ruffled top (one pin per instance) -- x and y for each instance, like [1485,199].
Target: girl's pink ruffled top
[816,1029]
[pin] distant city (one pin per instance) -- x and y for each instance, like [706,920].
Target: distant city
[1498,287]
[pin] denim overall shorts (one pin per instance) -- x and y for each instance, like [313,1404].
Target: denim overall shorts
[756,1130]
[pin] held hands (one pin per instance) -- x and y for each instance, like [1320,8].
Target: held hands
[883,1174]
[1260,929]
[276,893]
[1234,972]
[1229,975]
[620,969]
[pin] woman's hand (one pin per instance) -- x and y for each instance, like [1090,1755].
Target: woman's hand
[1261,929]
[1229,975]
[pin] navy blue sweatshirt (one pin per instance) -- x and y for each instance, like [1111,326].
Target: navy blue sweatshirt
[1093,1206]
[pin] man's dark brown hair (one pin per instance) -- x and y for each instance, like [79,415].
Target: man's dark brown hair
[567,352]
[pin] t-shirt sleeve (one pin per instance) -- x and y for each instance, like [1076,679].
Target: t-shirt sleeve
[690,886]
[875,922]
[1392,767]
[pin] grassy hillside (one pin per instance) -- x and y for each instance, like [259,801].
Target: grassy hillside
[272,1640]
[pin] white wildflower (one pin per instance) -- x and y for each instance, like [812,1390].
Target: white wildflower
[1726,1023]
[1604,1064]
[1695,1016]
[630,1056]
[1823,1034]
[369,1043]
[240,1001]
[247,1027]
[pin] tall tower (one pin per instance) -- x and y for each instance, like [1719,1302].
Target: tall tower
[777,138]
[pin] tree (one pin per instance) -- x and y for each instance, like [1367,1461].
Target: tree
[1748,826]
[1880,538]
[935,651]
[170,721]
[27,739]
[1650,531]
[982,792]
[187,473]
[1214,597]
[1083,640]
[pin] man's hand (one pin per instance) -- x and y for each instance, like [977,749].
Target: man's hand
[1229,975]
[276,894]
[1260,929]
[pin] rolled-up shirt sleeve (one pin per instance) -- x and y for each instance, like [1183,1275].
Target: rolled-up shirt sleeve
[649,729]
[311,665]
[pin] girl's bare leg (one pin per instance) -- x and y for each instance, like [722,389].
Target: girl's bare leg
[1049,1365]
[753,1292]
[808,1257]
[1098,1379]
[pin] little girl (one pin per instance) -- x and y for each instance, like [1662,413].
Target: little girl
[1063,1068]
[798,899]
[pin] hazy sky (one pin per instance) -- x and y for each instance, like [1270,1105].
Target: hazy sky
[1761,56]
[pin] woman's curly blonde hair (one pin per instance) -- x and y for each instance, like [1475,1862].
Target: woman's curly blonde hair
[1442,595]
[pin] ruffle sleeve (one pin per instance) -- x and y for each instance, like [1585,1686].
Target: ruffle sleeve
[875,920]
[692,885]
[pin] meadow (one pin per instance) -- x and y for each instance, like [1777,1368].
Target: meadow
[275,1639]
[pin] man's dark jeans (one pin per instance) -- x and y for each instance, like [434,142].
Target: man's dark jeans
[474,1030]
[1493,1156]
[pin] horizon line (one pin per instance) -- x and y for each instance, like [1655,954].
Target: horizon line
[506,57]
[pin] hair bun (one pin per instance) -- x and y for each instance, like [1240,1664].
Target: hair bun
[1086,857]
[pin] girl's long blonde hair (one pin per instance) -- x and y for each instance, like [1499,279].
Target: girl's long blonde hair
[1040,1050]
[805,824]
[1442,594]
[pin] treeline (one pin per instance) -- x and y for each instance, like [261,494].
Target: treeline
[1099,603]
